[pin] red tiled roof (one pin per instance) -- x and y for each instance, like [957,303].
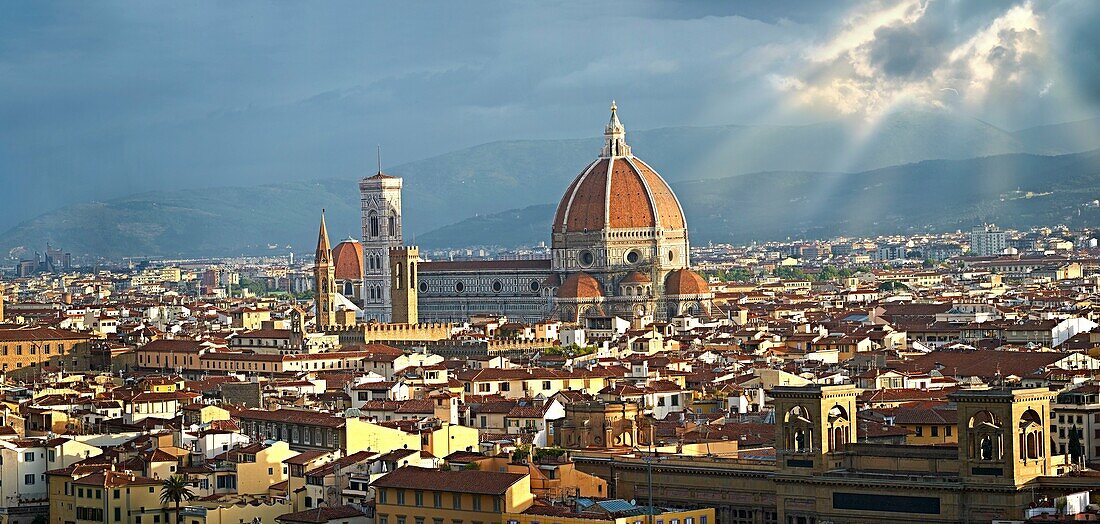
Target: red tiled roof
[463,481]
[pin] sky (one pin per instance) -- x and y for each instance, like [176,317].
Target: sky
[103,99]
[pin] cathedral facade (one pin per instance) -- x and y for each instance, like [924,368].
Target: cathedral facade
[619,247]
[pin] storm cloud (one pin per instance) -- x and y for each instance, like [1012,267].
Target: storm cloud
[103,99]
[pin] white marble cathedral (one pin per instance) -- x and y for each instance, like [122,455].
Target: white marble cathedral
[619,247]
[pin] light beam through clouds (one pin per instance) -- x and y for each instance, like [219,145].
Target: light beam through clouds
[913,53]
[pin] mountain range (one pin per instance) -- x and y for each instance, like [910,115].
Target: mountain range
[910,171]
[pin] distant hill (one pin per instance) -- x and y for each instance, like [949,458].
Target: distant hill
[222,221]
[755,182]
[505,175]
[1012,190]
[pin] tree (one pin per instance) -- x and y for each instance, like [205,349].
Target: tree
[790,273]
[175,490]
[1076,448]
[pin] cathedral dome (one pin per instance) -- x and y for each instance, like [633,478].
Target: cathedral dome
[618,191]
[347,259]
[685,282]
[580,285]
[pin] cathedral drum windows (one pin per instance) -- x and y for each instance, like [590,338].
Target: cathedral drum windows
[498,286]
[586,258]
[633,256]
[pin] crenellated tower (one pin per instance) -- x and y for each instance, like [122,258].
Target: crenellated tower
[403,262]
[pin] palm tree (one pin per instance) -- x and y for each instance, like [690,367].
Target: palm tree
[175,490]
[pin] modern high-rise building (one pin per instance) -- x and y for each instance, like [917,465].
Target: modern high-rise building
[380,196]
[987,240]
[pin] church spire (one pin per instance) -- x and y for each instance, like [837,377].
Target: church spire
[324,250]
[324,286]
[614,136]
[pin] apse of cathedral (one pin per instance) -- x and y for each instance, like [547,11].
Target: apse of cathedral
[619,248]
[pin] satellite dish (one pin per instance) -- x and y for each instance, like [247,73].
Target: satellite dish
[633,502]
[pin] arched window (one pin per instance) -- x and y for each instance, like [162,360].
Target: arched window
[985,436]
[838,427]
[392,226]
[373,218]
[799,430]
[1031,436]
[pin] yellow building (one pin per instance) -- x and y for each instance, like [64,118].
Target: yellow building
[259,466]
[310,430]
[412,495]
[520,383]
[448,439]
[233,509]
[25,352]
[551,473]
[249,317]
[928,427]
[105,496]
[203,414]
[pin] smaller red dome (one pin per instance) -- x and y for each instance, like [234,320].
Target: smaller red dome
[685,282]
[580,285]
[636,277]
[347,259]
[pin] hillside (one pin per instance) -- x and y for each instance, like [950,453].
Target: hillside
[506,175]
[721,173]
[1012,190]
[222,221]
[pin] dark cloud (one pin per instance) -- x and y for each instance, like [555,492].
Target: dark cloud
[108,98]
[1077,24]
[908,51]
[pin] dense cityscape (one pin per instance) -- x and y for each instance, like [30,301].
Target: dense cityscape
[842,266]
[604,379]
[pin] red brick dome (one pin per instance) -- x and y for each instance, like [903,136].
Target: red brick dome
[685,282]
[347,259]
[580,285]
[636,277]
[618,191]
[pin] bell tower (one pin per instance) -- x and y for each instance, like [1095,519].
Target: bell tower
[403,284]
[324,273]
[1002,434]
[380,198]
[813,422]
